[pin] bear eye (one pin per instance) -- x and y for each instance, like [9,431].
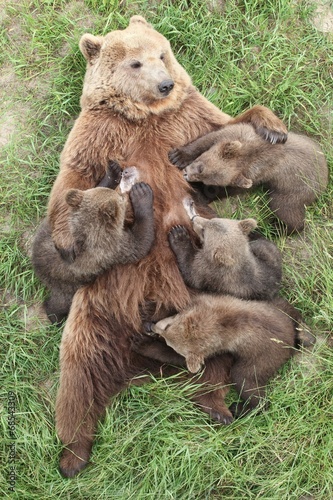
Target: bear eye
[136,64]
[162,57]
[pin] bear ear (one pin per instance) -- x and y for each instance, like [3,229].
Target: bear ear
[194,362]
[140,19]
[90,46]
[74,198]
[229,149]
[109,209]
[247,225]
[221,257]
[242,181]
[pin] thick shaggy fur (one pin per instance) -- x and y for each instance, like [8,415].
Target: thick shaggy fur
[129,114]
[228,261]
[295,173]
[259,336]
[101,240]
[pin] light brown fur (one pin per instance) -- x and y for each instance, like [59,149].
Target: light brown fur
[295,173]
[228,261]
[101,240]
[125,118]
[259,336]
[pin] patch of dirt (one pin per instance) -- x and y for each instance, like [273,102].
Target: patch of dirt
[33,317]
[323,17]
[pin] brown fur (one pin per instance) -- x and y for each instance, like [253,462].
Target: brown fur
[101,240]
[258,335]
[295,173]
[228,261]
[126,117]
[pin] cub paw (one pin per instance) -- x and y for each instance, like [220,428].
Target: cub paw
[178,235]
[141,196]
[180,157]
[67,254]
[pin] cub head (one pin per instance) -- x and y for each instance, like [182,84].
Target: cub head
[224,241]
[133,71]
[221,165]
[181,334]
[96,208]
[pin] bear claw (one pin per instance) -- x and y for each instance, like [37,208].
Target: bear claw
[178,234]
[178,158]
[112,176]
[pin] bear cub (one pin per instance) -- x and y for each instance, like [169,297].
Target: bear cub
[260,336]
[97,225]
[228,261]
[295,172]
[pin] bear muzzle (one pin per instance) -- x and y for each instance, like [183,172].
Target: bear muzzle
[165,87]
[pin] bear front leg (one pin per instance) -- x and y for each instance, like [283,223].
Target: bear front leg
[182,157]
[112,176]
[184,250]
[157,349]
[265,122]
[92,370]
[142,234]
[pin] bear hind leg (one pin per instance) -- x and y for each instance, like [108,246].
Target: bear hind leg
[251,387]
[210,396]
[290,213]
[93,369]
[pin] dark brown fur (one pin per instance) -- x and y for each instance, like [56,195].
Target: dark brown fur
[228,261]
[125,116]
[295,173]
[259,336]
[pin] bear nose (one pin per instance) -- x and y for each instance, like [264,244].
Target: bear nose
[166,86]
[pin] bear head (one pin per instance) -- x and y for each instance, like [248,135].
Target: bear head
[94,210]
[221,165]
[133,72]
[182,333]
[224,241]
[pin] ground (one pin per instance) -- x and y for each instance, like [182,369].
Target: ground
[153,443]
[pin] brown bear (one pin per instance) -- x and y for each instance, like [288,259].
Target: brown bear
[259,335]
[228,261]
[137,104]
[101,240]
[295,172]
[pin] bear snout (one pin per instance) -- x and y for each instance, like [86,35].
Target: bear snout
[166,86]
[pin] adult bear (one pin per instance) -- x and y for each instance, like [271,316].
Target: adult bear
[137,104]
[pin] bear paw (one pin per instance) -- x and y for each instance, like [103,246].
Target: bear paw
[181,157]
[141,195]
[67,254]
[112,176]
[178,235]
[71,463]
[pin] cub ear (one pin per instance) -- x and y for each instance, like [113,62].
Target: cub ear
[74,198]
[229,149]
[194,362]
[109,209]
[199,168]
[242,181]
[140,19]
[247,225]
[221,257]
[90,46]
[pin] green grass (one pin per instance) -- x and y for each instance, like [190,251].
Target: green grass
[153,443]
